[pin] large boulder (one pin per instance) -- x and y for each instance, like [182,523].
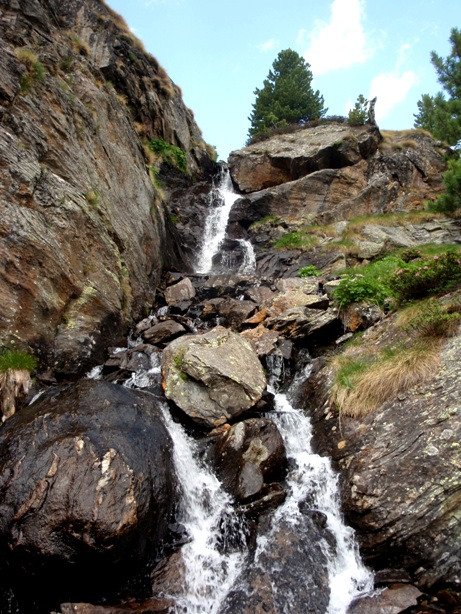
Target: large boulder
[285,157]
[283,184]
[212,377]
[87,483]
[79,210]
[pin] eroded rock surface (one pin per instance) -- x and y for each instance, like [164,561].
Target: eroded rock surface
[286,157]
[83,234]
[212,377]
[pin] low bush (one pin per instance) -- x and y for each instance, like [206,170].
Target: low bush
[406,275]
[426,276]
[295,240]
[309,271]
[170,154]
[432,319]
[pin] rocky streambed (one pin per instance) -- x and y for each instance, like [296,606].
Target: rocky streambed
[182,474]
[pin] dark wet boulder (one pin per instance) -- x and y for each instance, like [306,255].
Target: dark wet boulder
[212,377]
[249,455]
[87,483]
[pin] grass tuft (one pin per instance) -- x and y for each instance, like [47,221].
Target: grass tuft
[361,387]
[16,360]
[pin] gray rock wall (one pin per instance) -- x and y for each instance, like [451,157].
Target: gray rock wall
[83,234]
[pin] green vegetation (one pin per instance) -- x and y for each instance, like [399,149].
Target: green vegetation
[403,276]
[171,154]
[92,197]
[450,200]
[349,371]
[441,114]
[309,271]
[358,115]
[16,360]
[426,276]
[35,69]
[295,240]
[286,97]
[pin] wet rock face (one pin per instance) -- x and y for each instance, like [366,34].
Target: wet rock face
[87,481]
[249,455]
[80,213]
[296,566]
[212,377]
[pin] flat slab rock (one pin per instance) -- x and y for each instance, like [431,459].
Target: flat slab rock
[212,377]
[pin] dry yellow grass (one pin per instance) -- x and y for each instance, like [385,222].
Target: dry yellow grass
[386,378]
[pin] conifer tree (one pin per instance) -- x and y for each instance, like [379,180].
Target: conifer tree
[286,97]
[441,114]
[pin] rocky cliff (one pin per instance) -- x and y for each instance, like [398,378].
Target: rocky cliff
[298,186]
[84,235]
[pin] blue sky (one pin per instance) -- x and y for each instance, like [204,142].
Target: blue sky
[219,51]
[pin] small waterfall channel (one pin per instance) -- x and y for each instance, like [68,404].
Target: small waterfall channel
[219,557]
[221,199]
[216,557]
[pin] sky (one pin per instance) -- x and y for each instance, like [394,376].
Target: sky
[219,51]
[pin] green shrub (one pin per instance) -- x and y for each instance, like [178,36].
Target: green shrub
[358,288]
[450,200]
[426,276]
[397,277]
[309,271]
[171,154]
[16,360]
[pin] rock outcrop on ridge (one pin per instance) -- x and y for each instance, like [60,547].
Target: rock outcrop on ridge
[83,231]
[303,191]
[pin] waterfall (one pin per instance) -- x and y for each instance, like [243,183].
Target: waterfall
[312,475]
[206,511]
[248,265]
[215,227]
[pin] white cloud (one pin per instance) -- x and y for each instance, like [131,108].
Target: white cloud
[390,89]
[340,43]
[267,45]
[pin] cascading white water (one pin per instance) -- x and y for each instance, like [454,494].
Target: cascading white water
[248,265]
[215,228]
[207,513]
[216,222]
[313,476]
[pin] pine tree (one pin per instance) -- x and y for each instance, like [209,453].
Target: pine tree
[286,97]
[441,114]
